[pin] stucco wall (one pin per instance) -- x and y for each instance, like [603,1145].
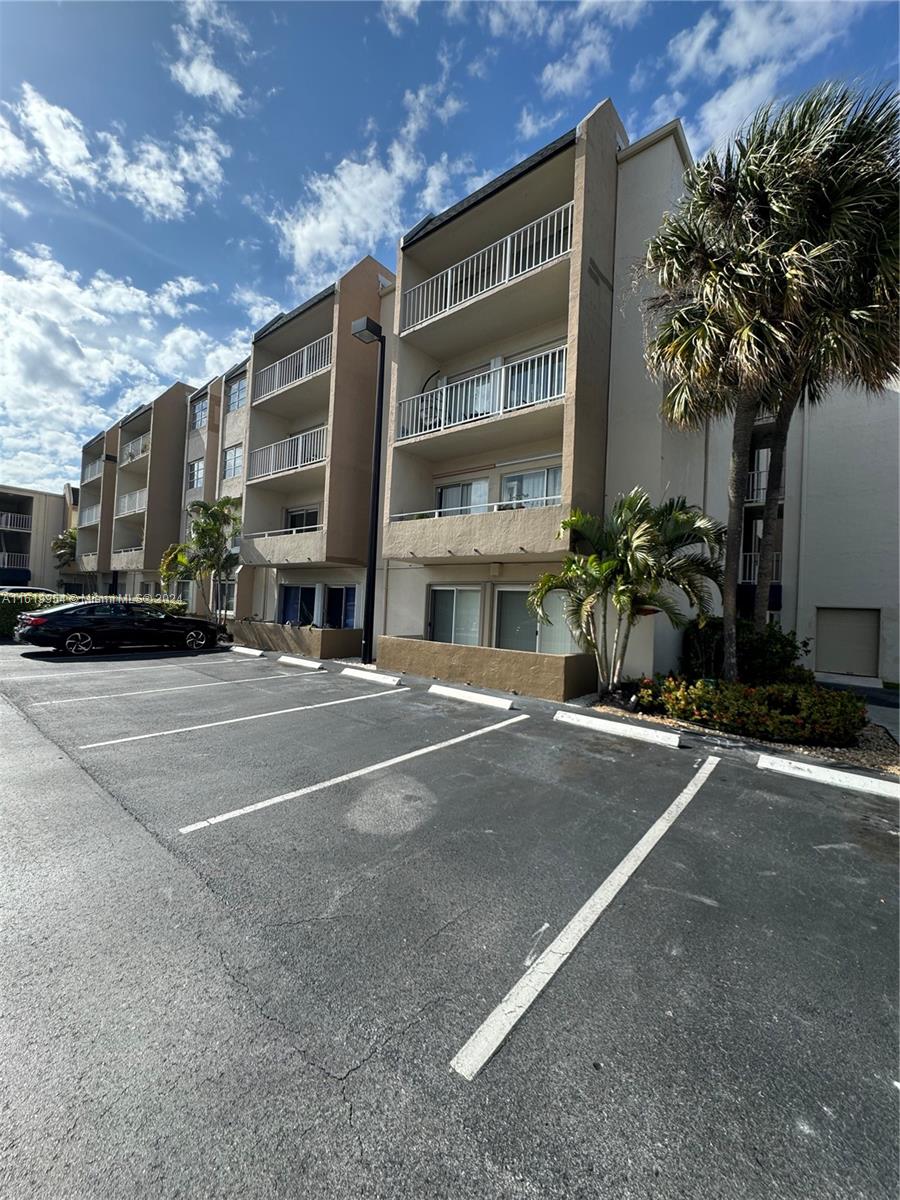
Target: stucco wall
[551,676]
[293,639]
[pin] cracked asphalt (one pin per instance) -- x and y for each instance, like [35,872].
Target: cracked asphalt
[268,1006]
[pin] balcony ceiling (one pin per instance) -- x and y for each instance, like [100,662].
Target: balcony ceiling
[304,401]
[530,300]
[291,481]
[308,327]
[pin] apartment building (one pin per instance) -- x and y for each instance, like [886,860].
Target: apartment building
[29,521]
[308,467]
[131,495]
[216,431]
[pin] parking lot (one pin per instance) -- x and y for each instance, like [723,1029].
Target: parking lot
[273,931]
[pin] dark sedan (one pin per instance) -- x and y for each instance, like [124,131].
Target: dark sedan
[79,628]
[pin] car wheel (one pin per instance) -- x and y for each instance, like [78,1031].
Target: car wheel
[78,642]
[196,639]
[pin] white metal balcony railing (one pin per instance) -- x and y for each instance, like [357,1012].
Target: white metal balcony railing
[10,559]
[267,533]
[131,502]
[506,389]
[540,242]
[757,486]
[471,510]
[14,520]
[89,515]
[93,470]
[301,450]
[750,568]
[306,361]
[136,448]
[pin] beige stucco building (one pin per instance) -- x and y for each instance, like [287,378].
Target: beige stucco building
[29,521]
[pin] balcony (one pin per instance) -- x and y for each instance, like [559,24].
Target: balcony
[93,470]
[514,531]
[9,559]
[131,502]
[293,368]
[547,238]
[757,486]
[284,547]
[89,515]
[471,510]
[301,450]
[14,520]
[505,390]
[750,568]
[134,449]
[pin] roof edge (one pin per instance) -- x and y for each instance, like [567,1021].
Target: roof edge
[673,129]
[283,318]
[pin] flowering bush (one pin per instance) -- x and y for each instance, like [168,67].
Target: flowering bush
[784,712]
[12,603]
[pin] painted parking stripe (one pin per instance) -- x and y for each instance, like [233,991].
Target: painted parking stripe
[182,687]
[640,733]
[278,712]
[68,673]
[486,1040]
[327,783]
[842,779]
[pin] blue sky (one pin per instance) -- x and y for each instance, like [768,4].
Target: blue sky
[172,175]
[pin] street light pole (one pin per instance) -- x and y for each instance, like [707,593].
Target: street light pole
[367,330]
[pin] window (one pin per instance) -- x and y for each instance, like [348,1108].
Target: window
[237,394]
[459,499]
[182,591]
[456,615]
[531,489]
[298,605]
[340,607]
[223,596]
[516,628]
[195,474]
[198,413]
[302,518]
[232,462]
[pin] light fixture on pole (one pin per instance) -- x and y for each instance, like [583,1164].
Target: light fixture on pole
[368,331]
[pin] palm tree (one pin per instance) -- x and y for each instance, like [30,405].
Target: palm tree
[63,547]
[777,276]
[630,563]
[207,554]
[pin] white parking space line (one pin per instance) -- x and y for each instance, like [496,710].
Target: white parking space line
[327,783]
[486,1040]
[69,673]
[279,712]
[182,687]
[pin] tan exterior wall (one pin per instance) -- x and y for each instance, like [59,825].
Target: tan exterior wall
[48,519]
[165,474]
[551,676]
[290,639]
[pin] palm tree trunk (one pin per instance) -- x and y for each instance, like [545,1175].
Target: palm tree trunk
[613,666]
[741,438]
[602,648]
[623,650]
[766,568]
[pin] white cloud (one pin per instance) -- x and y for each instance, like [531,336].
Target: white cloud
[343,213]
[195,69]
[724,113]
[164,180]
[664,108]
[78,351]
[574,71]
[531,124]
[395,12]
[479,67]
[15,157]
[60,143]
[690,49]
[14,204]
[258,308]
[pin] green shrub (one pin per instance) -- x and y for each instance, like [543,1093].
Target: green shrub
[13,603]
[768,656]
[785,712]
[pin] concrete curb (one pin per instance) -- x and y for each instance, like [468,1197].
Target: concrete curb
[311,664]
[371,676]
[247,650]
[639,733]
[452,693]
[835,778]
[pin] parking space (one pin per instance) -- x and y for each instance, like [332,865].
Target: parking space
[691,963]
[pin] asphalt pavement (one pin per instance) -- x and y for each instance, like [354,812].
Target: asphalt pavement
[254,914]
